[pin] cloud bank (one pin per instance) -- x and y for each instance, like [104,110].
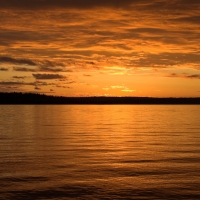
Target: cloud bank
[51,40]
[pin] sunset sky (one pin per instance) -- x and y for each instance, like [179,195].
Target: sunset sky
[100,47]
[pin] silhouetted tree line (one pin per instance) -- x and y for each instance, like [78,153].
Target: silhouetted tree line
[32,98]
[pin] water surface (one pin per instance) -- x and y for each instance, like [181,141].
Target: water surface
[99,152]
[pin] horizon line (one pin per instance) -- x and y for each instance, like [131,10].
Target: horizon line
[104,96]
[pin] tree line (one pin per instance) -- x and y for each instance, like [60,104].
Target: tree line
[33,98]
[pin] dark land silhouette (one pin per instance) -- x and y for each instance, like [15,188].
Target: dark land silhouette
[32,98]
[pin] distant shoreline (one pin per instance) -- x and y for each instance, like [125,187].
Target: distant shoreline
[32,98]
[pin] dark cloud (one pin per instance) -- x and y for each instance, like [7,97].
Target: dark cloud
[19,77]
[41,83]
[41,69]
[39,65]
[37,88]
[148,30]
[48,64]
[3,69]
[37,84]
[86,4]
[48,76]
[166,59]
[40,4]
[10,88]
[24,69]
[188,19]
[195,76]
[11,83]
[52,68]
[17,61]
[162,35]
[172,75]
[13,36]
[44,65]
[185,75]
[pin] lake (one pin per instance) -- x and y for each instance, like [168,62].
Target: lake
[99,152]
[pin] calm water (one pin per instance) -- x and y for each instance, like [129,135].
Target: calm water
[99,152]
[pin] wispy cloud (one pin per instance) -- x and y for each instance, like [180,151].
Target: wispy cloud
[119,87]
[128,90]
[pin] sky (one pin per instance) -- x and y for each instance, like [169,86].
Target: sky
[100,47]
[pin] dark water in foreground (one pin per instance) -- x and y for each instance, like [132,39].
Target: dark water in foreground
[100,152]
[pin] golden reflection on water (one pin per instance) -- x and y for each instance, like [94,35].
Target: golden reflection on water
[116,150]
